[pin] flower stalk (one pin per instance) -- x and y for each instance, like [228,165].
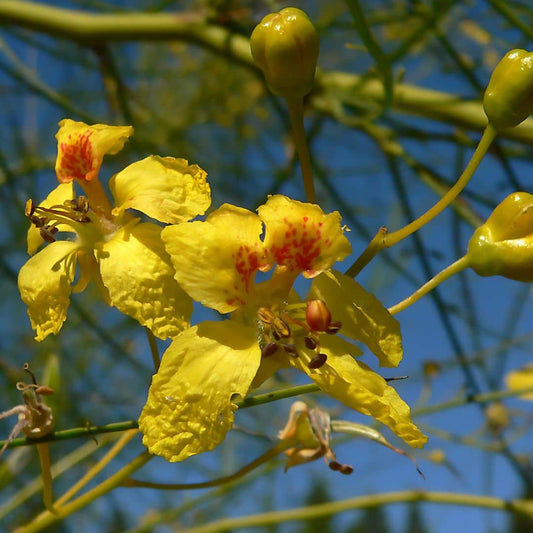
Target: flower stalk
[383,239]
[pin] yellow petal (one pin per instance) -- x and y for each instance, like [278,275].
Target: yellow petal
[64,191]
[358,387]
[189,408]
[137,272]
[81,148]
[164,188]
[363,316]
[521,379]
[45,285]
[301,237]
[216,260]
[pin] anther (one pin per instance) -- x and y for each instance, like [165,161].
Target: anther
[270,349]
[281,327]
[335,466]
[290,349]
[29,208]
[334,327]
[346,469]
[310,343]
[37,221]
[265,315]
[47,233]
[317,361]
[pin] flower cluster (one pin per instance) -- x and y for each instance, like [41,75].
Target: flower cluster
[151,260]
[123,256]
[152,271]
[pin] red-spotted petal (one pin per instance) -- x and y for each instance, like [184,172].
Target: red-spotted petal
[81,148]
[216,260]
[300,237]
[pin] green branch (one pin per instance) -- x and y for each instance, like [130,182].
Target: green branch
[347,89]
[364,502]
[268,397]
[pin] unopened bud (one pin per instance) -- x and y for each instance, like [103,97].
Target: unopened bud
[508,99]
[504,244]
[317,315]
[285,47]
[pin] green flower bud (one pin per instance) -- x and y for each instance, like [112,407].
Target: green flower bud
[508,99]
[504,244]
[285,46]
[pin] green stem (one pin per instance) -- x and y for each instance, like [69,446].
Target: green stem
[74,433]
[98,467]
[46,519]
[443,275]
[385,240]
[44,458]
[296,113]
[364,502]
[280,447]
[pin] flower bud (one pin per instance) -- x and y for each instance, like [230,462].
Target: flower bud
[504,244]
[317,315]
[285,47]
[508,99]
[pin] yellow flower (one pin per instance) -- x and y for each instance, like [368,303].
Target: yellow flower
[190,403]
[122,255]
[520,379]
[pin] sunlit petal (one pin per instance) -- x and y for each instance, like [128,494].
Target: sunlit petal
[164,188]
[358,387]
[81,148]
[301,237]
[45,285]
[216,260]
[189,408]
[363,316]
[137,272]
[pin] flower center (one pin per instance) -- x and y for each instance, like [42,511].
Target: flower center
[281,327]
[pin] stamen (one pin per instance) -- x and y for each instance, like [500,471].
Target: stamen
[37,221]
[334,327]
[317,361]
[48,231]
[310,343]
[290,349]
[281,327]
[270,349]
[29,208]
[343,469]
[265,315]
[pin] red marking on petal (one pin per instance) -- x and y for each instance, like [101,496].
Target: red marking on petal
[247,263]
[299,245]
[77,160]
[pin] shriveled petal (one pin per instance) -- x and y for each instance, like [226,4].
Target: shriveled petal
[301,237]
[358,387]
[45,285]
[363,316]
[216,260]
[137,272]
[81,148]
[521,379]
[164,188]
[63,192]
[189,408]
